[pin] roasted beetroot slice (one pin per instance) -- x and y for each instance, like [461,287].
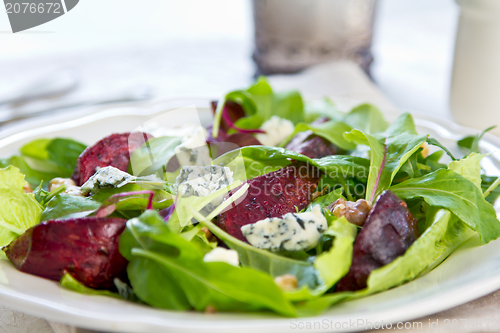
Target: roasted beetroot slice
[113,150]
[234,111]
[388,232]
[271,195]
[311,145]
[87,248]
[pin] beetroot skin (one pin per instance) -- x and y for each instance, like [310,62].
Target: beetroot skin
[271,195]
[311,145]
[87,248]
[388,232]
[113,150]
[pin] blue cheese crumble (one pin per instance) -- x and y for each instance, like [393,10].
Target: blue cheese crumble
[201,181]
[292,232]
[277,130]
[105,178]
[220,254]
[193,149]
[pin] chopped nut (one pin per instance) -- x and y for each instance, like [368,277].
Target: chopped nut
[210,236]
[210,309]
[71,187]
[27,188]
[425,149]
[74,190]
[286,282]
[58,182]
[354,212]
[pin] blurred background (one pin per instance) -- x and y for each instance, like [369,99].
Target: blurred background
[204,48]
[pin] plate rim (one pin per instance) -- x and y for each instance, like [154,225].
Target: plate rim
[18,301]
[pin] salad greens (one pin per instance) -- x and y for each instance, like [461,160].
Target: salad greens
[168,234]
[168,271]
[19,210]
[46,159]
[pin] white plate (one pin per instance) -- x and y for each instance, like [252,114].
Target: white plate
[468,273]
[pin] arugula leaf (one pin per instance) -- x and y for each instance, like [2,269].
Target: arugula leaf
[64,206]
[400,141]
[321,108]
[260,103]
[331,130]
[43,197]
[161,199]
[472,142]
[447,189]
[436,143]
[366,118]
[334,166]
[155,252]
[490,188]
[64,153]
[153,156]
[266,261]
[53,155]
[326,200]
[196,203]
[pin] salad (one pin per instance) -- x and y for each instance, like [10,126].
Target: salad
[280,205]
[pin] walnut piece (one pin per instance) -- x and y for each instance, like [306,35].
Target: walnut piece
[425,149]
[286,282]
[354,212]
[71,187]
[27,188]
[208,234]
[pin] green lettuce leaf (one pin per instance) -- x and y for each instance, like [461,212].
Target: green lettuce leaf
[439,240]
[469,167]
[19,211]
[444,234]
[167,271]
[388,155]
[33,177]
